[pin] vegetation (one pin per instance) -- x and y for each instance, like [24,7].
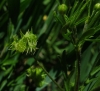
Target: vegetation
[50,45]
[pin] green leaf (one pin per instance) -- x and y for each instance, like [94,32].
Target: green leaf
[24,4]
[57,18]
[67,20]
[9,62]
[30,61]
[47,80]
[95,70]
[20,78]
[8,71]
[93,40]
[94,19]
[67,35]
[87,63]
[2,2]
[88,34]
[78,12]
[96,86]
[3,18]
[76,3]
[3,84]
[80,21]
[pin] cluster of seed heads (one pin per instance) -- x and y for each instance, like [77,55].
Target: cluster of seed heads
[27,43]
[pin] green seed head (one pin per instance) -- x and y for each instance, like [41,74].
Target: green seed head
[27,43]
[37,75]
[97,6]
[21,46]
[62,8]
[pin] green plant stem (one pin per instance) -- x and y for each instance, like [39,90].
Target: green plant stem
[77,68]
[78,59]
[41,65]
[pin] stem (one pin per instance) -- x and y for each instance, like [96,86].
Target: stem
[77,68]
[78,56]
[41,65]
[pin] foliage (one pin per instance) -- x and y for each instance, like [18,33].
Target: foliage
[50,45]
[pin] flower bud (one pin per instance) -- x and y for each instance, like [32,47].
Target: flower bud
[62,8]
[97,6]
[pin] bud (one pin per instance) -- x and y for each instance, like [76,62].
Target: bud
[62,8]
[97,6]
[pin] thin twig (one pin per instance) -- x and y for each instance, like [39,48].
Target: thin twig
[40,64]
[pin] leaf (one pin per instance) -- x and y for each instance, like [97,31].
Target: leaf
[24,4]
[57,18]
[47,80]
[21,34]
[30,61]
[3,18]
[93,40]
[90,32]
[2,3]
[87,63]
[96,85]
[1,35]
[66,18]
[74,7]
[67,35]
[20,78]
[94,18]
[78,12]
[8,71]
[3,84]
[80,21]
[9,62]
[95,70]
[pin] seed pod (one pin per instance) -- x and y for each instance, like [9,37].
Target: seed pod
[97,6]
[62,8]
